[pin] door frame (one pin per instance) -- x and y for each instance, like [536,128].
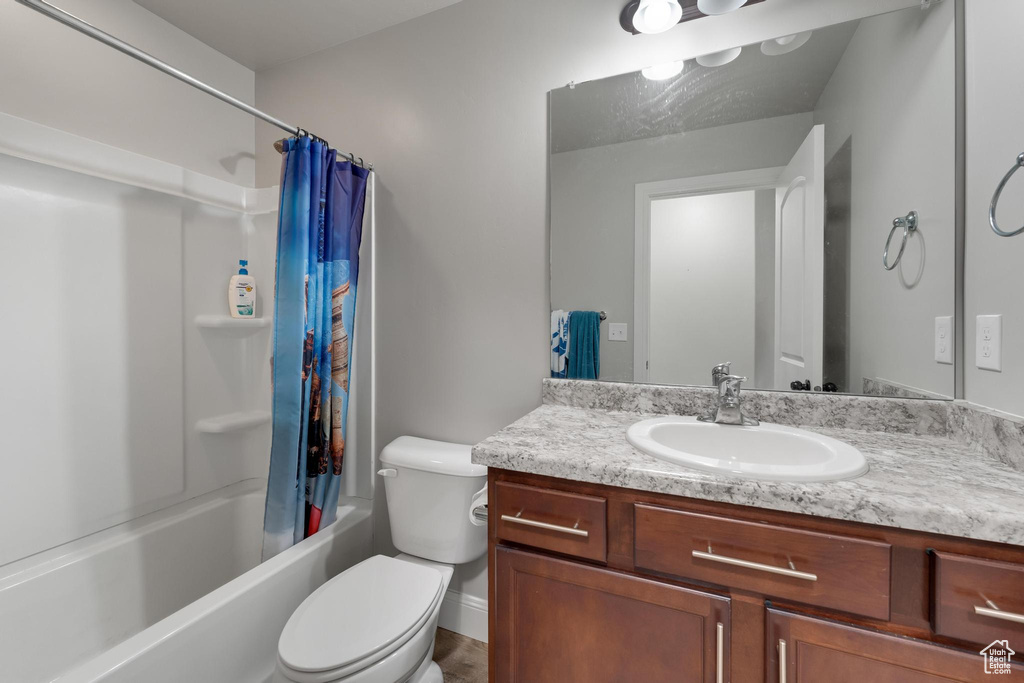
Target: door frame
[645,195]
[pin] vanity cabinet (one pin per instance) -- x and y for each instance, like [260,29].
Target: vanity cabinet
[561,621]
[597,583]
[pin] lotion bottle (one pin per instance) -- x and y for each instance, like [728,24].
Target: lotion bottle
[242,293]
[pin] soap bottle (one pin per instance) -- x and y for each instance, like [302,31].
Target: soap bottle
[242,293]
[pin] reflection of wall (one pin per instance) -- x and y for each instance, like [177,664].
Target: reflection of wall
[836,299]
[995,136]
[893,92]
[592,210]
[702,286]
[764,291]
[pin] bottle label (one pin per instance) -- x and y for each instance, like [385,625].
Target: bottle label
[245,299]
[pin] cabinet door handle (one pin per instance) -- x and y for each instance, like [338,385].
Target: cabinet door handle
[999,614]
[720,654]
[544,525]
[724,559]
[782,661]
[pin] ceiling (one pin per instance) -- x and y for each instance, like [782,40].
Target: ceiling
[264,33]
[754,86]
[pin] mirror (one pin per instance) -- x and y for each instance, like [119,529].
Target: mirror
[736,207]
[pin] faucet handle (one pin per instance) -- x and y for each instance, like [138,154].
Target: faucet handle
[720,372]
[733,382]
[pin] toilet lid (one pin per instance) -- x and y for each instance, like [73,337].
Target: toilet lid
[358,613]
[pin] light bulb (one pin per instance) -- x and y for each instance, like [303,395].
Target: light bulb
[719,6]
[719,58]
[660,72]
[656,16]
[780,46]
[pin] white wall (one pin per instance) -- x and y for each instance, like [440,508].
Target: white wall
[104,373]
[995,136]
[893,91]
[56,76]
[592,210]
[452,109]
[702,286]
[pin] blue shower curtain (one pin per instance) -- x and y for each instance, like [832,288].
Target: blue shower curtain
[318,234]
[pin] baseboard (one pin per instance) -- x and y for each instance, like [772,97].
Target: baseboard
[465,614]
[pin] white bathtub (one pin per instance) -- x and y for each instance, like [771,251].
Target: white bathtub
[178,595]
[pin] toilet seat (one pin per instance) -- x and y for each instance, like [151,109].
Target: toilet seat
[359,618]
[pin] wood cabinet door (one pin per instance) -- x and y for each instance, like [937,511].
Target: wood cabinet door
[563,621]
[804,649]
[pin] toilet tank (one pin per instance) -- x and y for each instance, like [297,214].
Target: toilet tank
[428,496]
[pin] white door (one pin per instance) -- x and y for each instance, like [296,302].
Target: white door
[799,264]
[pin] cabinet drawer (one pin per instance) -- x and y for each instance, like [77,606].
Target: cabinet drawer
[568,523]
[835,572]
[977,600]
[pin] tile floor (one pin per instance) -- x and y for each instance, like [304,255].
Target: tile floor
[462,659]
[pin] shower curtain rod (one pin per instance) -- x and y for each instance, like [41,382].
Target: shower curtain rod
[88,29]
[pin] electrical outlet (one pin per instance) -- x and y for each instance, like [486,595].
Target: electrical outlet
[617,332]
[944,339]
[988,346]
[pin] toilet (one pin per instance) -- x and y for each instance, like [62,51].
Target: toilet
[375,622]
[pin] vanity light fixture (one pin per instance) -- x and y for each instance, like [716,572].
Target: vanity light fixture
[661,72]
[780,46]
[719,6]
[657,16]
[719,58]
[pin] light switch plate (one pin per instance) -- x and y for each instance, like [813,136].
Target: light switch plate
[988,346]
[944,339]
[617,332]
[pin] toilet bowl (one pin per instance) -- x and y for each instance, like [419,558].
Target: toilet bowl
[375,622]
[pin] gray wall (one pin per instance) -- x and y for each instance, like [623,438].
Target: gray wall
[452,109]
[593,202]
[60,78]
[995,136]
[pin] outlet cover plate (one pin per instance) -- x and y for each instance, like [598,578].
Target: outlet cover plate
[944,339]
[988,346]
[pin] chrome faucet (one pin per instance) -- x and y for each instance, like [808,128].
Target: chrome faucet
[727,411]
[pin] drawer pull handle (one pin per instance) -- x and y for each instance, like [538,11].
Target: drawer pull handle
[996,613]
[724,559]
[720,654]
[574,530]
[782,661]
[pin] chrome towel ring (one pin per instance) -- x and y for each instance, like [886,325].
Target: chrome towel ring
[909,225]
[995,200]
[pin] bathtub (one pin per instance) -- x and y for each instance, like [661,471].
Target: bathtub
[178,595]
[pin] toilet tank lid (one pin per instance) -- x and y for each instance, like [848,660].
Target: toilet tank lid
[440,457]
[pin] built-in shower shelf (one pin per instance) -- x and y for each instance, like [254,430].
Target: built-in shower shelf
[226,323]
[233,422]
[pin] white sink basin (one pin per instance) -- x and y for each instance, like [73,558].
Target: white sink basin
[769,451]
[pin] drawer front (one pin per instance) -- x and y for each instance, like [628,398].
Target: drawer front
[567,523]
[978,600]
[834,572]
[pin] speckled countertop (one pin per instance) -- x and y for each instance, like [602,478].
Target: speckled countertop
[924,482]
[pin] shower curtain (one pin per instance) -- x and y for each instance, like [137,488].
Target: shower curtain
[318,235]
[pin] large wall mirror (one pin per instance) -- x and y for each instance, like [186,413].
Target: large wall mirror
[737,206]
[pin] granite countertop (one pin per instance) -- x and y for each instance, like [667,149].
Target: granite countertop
[924,482]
